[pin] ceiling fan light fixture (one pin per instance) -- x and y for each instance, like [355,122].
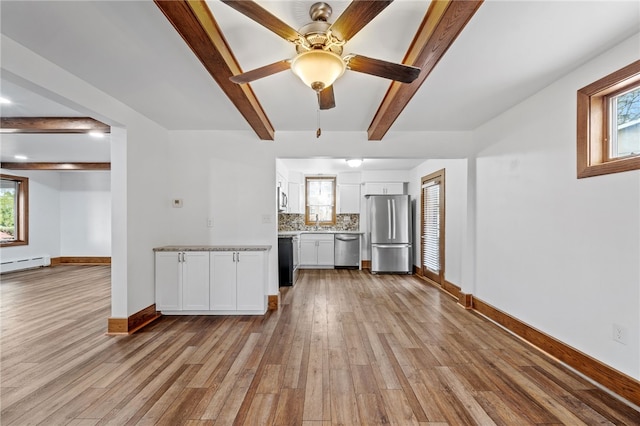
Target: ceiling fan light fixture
[318,68]
[354,162]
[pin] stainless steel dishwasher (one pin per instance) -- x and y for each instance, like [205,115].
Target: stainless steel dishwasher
[347,251]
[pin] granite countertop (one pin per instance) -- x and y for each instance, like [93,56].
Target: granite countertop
[239,247]
[292,233]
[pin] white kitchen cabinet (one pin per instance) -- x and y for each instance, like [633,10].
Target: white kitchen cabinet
[348,198]
[383,188]
[296,198]
[182,280]
[238,281]
[316,251]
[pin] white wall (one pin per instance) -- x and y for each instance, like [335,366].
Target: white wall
[455,213]
[559,253]
[85,213]
[138,176]
[44,216]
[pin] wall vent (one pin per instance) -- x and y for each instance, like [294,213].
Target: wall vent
[26,263]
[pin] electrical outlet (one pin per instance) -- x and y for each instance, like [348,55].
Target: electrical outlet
[266,218]
[209,223]
[619,334]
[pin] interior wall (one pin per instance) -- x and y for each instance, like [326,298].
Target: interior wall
[44,216]
[561,254]
[138,174]
[85,213]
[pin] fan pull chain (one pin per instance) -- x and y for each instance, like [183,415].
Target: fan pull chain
[319,131]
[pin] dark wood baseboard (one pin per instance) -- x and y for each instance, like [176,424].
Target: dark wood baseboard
[125,326]
[448,287]
[451,288]
[81,260]
[366,264]
[465,300]
[612,379]
[273,302]
[617,382]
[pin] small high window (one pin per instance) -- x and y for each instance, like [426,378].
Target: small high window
[624,119]
[14,210]
[320,196]
[609,123]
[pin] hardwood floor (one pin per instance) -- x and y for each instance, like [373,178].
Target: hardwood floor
[346,347]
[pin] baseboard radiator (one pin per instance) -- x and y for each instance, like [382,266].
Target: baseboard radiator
[26,263]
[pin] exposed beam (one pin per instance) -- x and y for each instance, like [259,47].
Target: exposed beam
[195,23]
[442,23]
[56,166]
[52,125]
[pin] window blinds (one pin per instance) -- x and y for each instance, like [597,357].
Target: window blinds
[431,230]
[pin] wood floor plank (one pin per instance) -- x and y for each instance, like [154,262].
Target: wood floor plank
[344,347]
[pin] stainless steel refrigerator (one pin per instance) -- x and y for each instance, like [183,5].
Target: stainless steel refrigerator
[390,228]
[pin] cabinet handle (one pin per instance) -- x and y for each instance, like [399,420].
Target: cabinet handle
[238,257]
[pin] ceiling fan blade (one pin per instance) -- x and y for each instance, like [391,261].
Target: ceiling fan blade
[261,72]
[384,69]
[326,100]
[358,14]
[263,17]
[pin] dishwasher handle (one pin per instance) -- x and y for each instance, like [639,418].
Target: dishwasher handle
[347,237]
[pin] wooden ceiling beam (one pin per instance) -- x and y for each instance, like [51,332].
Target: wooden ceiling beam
[56,166]
[195,23]
[52,125]
[443,22]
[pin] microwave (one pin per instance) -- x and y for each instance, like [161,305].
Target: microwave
[282,200]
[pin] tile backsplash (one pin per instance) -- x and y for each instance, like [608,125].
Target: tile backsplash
[295,222]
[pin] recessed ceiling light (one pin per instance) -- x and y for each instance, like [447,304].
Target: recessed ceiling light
[96,134]
[4,101]
[354,162]
[20,157]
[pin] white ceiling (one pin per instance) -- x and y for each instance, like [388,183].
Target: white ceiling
[508,51]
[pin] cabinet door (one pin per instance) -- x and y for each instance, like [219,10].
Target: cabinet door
[195,281]
[383,188]
[168,281]
[295,204]
[325,252]
[308,252]
[250,290]
[374,188]
[223,281]
[394,188]
[349,198]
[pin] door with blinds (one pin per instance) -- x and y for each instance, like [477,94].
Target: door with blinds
[432,226]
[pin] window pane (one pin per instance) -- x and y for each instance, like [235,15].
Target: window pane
[625,138]
[320,192]
[325,213]
[8,209]
[320,200]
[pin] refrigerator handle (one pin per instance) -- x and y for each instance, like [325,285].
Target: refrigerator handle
[389,219]
[393,209]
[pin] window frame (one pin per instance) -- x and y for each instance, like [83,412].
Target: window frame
[22,214]
[308,222]
[593,157]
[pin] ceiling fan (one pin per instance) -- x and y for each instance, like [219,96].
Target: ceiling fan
[319,45]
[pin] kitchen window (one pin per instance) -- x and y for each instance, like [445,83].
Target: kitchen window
[14,210]
[608,130]
[320,196]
